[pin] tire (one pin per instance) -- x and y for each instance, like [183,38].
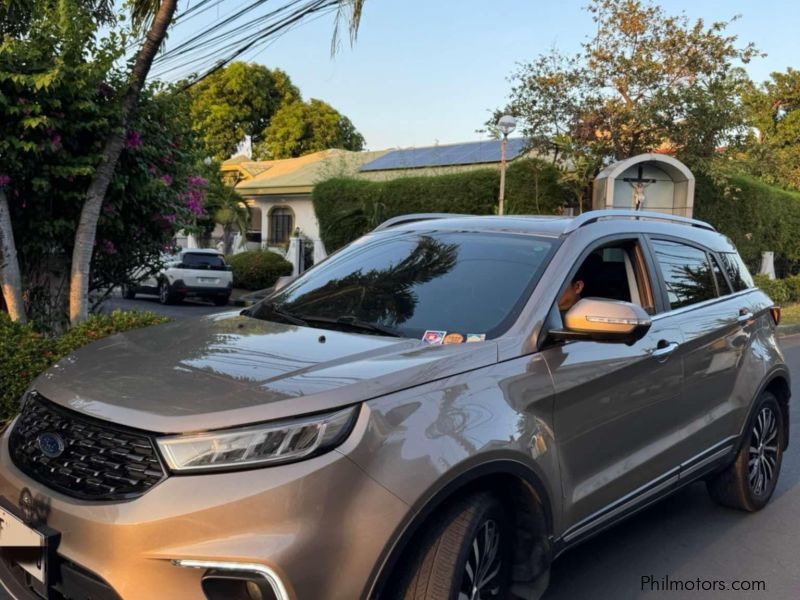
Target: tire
[221,300]
[165,295]
[442,563]
[747,486]
[128,292]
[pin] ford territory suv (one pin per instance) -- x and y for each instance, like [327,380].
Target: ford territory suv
[436,412]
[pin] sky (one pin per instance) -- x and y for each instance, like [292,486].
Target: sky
[424,72]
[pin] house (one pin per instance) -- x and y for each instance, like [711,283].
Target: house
[278,192]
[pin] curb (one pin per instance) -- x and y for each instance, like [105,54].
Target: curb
[784,330]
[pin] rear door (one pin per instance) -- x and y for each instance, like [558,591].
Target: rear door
[614,409]
[716,326]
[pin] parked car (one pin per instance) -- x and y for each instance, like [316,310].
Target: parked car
[195,272]
[420,416]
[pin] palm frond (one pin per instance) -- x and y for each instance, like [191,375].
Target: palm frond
[348,12]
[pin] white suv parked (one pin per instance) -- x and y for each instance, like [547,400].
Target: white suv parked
[193,272]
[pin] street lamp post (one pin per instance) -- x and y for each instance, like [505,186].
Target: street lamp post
[506,125]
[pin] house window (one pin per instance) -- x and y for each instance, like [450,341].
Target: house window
[281,224]
[254,228]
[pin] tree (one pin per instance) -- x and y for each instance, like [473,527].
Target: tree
[304,127]
[772,151]
[53,35]
[159,16]
[237,101]
[646,81]
[224,206]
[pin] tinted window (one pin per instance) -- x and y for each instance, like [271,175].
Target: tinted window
[722,283]
[737,271]
[457,282]
[197,260]
[686,272]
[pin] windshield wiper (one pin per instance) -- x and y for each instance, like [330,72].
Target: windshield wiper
[273,309]
[353,322]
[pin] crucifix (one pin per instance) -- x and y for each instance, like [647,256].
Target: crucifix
[638,184]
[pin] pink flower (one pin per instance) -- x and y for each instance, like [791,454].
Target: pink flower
[55,140]
[109,247]
[152,170]
[197,181]
[4,180]
[167,179]
[134,139]
[171,218]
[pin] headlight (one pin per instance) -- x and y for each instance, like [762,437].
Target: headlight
[266,444]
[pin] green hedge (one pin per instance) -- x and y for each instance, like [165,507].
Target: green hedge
[25,352]
[755,215]
[258,269]
[348,208]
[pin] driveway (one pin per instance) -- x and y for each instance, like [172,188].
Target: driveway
[185,310]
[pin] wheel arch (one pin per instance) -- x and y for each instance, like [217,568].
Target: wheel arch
[777,382]
[498,474]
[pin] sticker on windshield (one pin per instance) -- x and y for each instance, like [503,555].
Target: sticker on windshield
[453,338]
[476,337]
[433,337]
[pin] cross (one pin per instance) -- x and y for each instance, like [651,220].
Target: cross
[638,186]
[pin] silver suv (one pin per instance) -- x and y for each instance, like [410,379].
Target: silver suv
[436,412]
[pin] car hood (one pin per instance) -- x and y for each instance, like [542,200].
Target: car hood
[228,369]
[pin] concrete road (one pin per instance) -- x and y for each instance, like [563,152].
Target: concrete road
[686,537]
[186,309]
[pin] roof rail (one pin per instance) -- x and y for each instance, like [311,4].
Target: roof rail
[594,216]
[413,218]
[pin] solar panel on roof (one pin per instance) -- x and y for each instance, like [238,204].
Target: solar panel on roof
[448,155]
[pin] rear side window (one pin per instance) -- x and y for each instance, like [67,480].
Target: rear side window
[197,260]
[738,274]
[686,272]
[722,283]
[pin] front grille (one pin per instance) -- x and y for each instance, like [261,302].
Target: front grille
[83,457]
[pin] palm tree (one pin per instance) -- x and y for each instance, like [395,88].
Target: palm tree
[228,209]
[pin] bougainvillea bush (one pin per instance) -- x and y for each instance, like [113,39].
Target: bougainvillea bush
[60,86]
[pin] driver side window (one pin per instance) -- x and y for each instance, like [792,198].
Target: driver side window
[615,271]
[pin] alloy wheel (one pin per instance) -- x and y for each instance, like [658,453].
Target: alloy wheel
[763,455]
[481,579]
[163,292]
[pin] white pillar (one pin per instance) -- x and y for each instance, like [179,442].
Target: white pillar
[767,264]
[320,253]
[264,225]
[295,255]
[191,241]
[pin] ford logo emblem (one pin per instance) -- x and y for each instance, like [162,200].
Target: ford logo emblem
[51,444]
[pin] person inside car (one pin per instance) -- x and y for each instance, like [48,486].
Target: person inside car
[576,287]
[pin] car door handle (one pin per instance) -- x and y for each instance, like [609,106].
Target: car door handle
[744,317]
[664,349]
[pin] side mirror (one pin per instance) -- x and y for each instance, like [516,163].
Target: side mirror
[282,282]
[601,320]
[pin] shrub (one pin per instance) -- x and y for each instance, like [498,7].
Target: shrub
[348,208]
[776,289]
[26,352]
[793,287]
[258,269]
[755,215]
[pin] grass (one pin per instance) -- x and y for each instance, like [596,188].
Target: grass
[790,314]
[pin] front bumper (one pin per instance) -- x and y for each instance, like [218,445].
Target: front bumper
[317,525]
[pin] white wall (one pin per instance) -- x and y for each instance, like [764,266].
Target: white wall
[300,205]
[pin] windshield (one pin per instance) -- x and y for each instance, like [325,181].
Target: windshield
[200,260]
[411,282]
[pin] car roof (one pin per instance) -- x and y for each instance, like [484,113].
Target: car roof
[200,251]
[600,221]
